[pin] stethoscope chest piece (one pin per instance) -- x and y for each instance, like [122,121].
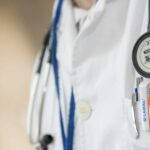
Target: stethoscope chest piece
[141,55]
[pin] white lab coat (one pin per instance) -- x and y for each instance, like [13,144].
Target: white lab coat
[96,61]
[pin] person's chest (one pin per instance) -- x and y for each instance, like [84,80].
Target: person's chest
[94,59]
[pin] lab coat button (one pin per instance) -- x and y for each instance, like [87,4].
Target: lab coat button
[84,110]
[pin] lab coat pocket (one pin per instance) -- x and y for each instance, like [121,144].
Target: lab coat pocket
[139,139]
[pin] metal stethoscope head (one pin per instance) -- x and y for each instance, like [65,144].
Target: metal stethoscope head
[141,52]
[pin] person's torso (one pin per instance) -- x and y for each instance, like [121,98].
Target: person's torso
[96,61]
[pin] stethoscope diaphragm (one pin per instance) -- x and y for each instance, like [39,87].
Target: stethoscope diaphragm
[141,55]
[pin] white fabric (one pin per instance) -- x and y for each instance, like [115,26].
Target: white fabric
[80,17]
[96,61]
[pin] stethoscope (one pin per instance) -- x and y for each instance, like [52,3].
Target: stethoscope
[34,135]
[50,46]
[141,52]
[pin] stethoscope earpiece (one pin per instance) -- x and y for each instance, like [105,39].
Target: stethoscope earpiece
[45,141]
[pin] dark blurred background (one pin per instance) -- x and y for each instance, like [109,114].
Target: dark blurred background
[23,24]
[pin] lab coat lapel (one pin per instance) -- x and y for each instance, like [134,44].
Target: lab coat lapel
[94,15]
[103,32]
[66,36]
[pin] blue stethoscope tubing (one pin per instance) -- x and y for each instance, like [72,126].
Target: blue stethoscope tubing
[67,139]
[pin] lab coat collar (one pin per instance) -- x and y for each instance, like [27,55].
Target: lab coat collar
[94,15]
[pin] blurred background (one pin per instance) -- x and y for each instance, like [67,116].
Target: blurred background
[23,24]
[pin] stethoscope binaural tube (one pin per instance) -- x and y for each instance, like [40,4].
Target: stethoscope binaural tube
[141,51]
[34,136]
